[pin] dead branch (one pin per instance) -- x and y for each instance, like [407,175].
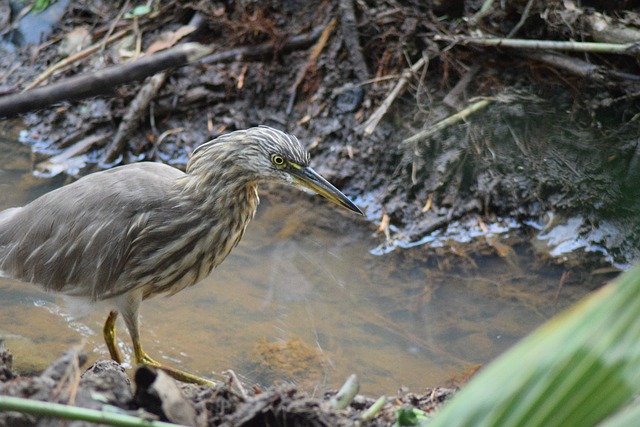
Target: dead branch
[370,125]
[631,49]
[352,40]
[453,97]
[102,81]
[445,123]
[523,19]
[134,114]
[603,30]
[73,58]
[311,62]
[262,50]
[58,164]
[572,65]
[485,9]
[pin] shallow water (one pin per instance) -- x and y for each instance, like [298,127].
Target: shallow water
[304,299]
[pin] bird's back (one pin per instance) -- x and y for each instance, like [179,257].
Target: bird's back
[77,238]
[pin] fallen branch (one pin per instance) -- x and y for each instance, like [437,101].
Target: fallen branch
[485,9]
[572,65]
[57,164]
[603,30]
[352,40]
[452,98]
[445,123]
[247,53]
[134,114]
[523,19]
[71,59]
[631,49]
[311,62]
[102,81]
[370,125]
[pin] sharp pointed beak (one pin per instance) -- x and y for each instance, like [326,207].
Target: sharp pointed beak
[310,179]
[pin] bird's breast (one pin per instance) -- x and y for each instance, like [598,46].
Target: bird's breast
[195,245]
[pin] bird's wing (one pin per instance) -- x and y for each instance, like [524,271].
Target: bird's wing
[76,239]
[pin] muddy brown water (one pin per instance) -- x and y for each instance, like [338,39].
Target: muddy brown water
[304,299]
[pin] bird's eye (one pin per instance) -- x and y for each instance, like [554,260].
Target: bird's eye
[277,160]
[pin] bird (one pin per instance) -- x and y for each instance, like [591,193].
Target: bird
[124,235]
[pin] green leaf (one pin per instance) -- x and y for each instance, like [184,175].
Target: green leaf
[40,5]
[576,370]
[138,11]
[411,417]
[630,416]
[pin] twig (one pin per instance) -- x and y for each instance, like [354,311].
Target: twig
[452,98]
[102,81]
[73,58]
[134,114]
[603,30]
[48,409]
[261,50]
[112,27]
[352,40]
[484,11]
[161,138]
[631,49]
[523,19]
[445,123]
[64,160]
[233,379]
[370,125]
[311,62]
[572,65]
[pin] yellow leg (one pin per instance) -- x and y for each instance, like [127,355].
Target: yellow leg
[143,358]
[109,332]
[128,305]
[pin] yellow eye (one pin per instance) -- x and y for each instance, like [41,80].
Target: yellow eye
[278,160]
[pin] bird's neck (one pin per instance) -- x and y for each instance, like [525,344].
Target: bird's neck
[205,218]
[223,199]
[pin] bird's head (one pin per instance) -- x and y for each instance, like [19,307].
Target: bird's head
[266,154]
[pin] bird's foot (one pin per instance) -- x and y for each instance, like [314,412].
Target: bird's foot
[177,374]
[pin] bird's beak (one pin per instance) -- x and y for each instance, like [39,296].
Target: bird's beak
[308,178]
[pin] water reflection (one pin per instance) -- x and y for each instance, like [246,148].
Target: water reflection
[302,299]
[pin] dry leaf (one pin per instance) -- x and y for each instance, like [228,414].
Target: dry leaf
[169,38]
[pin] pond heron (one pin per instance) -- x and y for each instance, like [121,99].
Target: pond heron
[126,234]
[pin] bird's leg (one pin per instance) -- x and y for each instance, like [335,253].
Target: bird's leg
[109,332]
[129,307]
[144,359]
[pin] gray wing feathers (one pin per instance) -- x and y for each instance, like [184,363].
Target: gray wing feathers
[76,239]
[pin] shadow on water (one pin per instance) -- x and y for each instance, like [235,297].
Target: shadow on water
[303,299]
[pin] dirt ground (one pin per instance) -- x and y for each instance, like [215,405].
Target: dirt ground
[400,105]
[158,397]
